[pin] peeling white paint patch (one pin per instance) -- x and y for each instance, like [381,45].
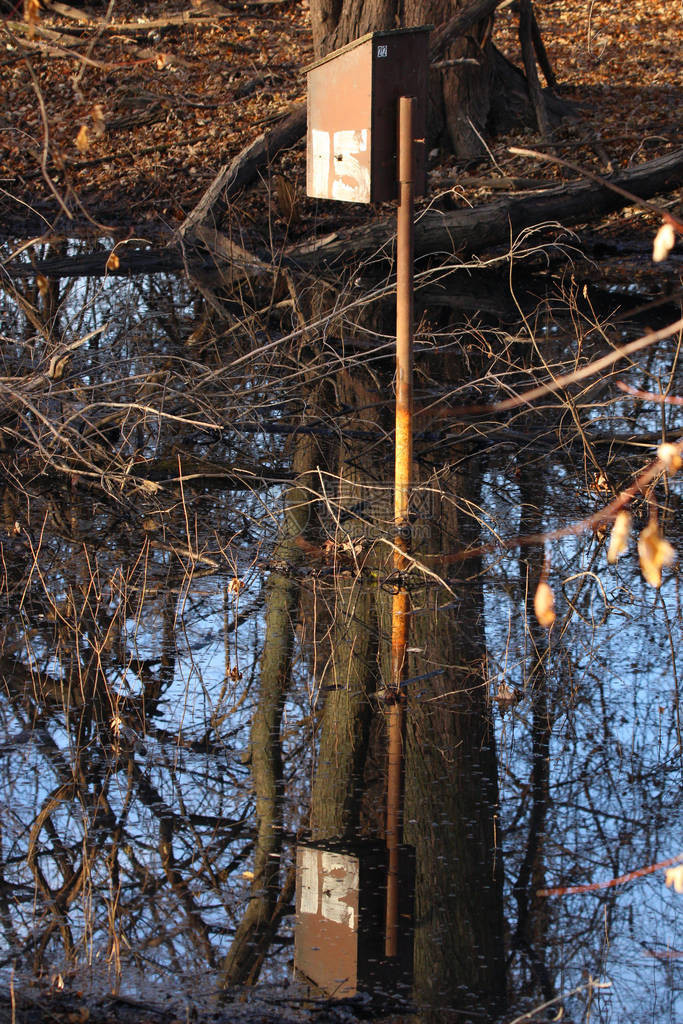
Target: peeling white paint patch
[309,881]
[351,176]
[320,149]
[339,888]
[328,886]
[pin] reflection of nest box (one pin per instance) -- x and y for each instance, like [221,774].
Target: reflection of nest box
[353,95]
[340,918]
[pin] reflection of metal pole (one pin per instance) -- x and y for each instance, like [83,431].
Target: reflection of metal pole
[403,470]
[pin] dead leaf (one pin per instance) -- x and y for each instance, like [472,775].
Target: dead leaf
[654,553]
[544,605]
[600,482]
[506,695]
[80,1016]
[43,284]
[329,550]
[113,262]
[235,586]
[621,531]
[83,139]
[353,548]
[31,11]
[665,239]
[97,115]
[670,455]
[286,199]
[150,486]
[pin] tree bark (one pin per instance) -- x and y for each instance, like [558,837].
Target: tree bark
[464,99]
[526,37]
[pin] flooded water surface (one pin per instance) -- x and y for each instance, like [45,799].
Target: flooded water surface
[196,588]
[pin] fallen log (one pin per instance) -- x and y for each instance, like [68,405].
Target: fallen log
[202,15]
[210,250]
[485,227]
[241,171]
[475,230]
[95,264]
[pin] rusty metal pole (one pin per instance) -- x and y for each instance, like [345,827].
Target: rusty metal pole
[402,481]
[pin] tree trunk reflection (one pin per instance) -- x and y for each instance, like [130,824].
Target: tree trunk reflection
[451,776]
[451,792]
[282,602]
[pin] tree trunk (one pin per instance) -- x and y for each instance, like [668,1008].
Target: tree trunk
[465,101]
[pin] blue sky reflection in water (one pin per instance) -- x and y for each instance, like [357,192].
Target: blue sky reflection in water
[136,489]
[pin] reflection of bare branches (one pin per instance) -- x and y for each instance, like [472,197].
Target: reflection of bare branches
[571,890]
[655,469]
[158,748]
[590,987]
[649,396]
[591,370]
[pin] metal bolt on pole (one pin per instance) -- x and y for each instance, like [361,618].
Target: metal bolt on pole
[402,482]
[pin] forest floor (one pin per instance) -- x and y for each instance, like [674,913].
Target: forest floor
[120,127]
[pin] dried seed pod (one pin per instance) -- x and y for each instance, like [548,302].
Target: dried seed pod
[544,605]
[674,878]
[654,553]
[670,455]
[665,239]
[621,531]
